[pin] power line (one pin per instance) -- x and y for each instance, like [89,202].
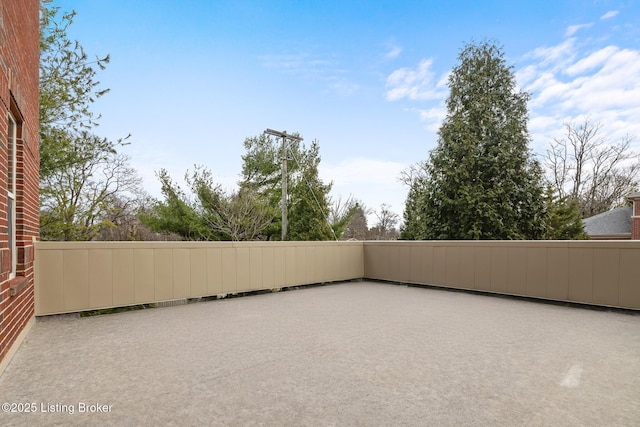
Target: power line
[285,136]
[326,214]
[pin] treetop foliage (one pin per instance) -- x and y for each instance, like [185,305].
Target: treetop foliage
[564,221]
[68,85]
[481,181]
[253,212]
[86,184]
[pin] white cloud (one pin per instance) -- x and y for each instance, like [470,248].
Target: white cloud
[433,117]
[370,180]
[592,61]
[526,75]
[433,114]
[556,55]
[612,82]
[393,52]
[444,80]
[609,15]
[414,84]
[323,68]
[343,87]
[572,29]
[539,125]
[298,63]
[573,82]
[362,171]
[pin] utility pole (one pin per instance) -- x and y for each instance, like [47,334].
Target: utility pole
[285,136]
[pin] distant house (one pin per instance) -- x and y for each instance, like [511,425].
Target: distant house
[19,165]
[616,224]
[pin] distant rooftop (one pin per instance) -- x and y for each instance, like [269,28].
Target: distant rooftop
[615,221]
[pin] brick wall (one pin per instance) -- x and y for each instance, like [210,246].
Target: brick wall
[19,70]
[635,216]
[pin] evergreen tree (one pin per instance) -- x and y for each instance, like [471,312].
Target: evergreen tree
[358,226]
[308,208]
[413,227]
[564,221]
[176,214]
[481,181]
[308,196]
[253,211]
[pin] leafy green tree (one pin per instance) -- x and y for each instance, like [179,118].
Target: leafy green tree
[176,214]
[481,181]
[80,172]
[309,201]
[261,173]
[209,213]
[253,211]
[68,85]
[240,215]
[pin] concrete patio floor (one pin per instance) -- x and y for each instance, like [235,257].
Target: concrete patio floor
[356,354]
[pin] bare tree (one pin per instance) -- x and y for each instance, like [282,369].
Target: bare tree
[413,174]
[124,224]
[586,167]
[241,215]
[341,214]
[76,196]
[340,209]
[385,228]
[238,215]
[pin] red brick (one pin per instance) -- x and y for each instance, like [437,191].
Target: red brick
[19,73]
[635,216]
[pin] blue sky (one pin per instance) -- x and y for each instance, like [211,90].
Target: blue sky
[190,80]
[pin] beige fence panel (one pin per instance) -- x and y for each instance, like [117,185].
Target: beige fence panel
[592,272]
[84,276]
[75,276]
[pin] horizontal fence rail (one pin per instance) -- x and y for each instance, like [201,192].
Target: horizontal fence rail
[80,276]
[603,273]
[75,276]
